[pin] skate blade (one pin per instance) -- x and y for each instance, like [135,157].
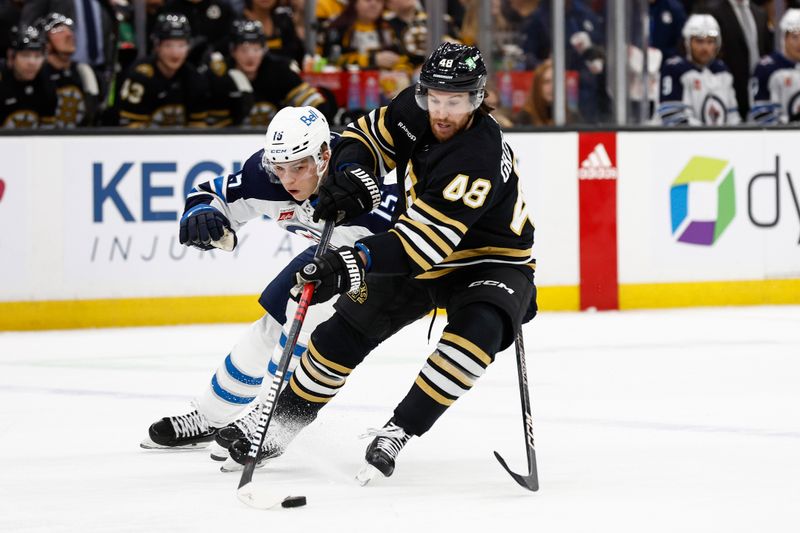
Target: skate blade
[217,452]
[230,466]
[262,497]
[148,444]
[367,474]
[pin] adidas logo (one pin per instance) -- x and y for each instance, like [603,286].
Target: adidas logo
[2,188]
[597,166]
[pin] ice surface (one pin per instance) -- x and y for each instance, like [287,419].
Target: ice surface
[652,421]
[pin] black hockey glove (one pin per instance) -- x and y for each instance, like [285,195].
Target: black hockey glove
[201,225]
[346,194]
[333,273]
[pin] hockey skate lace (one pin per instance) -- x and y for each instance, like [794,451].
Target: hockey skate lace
[391,438]
[189,425]
[249,422]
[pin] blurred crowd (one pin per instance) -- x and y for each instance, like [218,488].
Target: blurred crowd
[234,63]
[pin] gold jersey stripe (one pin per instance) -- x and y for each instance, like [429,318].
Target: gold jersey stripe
[301,87]
[411,252]
[488,250]
[353,135]
[364,128]
[382,127]
[445,247]
[427,389]
[326,362]
[440,217]
[468,345]
[306,396]
[308,367]
[450,368]
[433,274]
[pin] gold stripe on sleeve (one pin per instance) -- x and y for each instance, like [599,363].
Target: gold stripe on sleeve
[440,217]
[445,247]
[411,252]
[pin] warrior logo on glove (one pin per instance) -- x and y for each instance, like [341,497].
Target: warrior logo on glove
[332,273]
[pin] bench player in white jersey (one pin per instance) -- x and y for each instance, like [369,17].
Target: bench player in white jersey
[698,89]
[775,85]
[280,181]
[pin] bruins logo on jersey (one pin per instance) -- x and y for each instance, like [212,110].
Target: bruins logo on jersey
[169,115]
[22,119]
[260,114]
[415,40]
[145,69]
[71,106]
[360,296]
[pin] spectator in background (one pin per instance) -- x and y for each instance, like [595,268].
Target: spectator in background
[745,38]
[667,18]
[9,18]
[584,36]
[279,28]
[164,90]
[27,99]
[698,89]
[410,24]
[538,108]
[360,36]
[210,21]
[76,83]
[94,24]
[776,81]
[257,83]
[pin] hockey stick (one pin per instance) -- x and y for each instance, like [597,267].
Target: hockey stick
[530,481]
[246,492]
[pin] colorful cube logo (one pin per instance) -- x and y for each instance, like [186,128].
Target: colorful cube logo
[702,200]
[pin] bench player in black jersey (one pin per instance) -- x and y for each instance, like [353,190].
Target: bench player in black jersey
[27,98]
[461,242]
[255,84]
[164,90]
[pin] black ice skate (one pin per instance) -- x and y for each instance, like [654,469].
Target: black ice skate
[243,428]
[181,432]
[270,449]
[382,451]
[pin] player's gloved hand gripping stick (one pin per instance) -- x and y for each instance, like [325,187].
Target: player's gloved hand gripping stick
[266,497]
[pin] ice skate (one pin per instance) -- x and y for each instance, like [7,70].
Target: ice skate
[243,428]
[270,449]
[182,432]
[382,451]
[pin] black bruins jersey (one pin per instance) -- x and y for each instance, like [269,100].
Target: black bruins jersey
[276,85]
[148,99]
[76,103]
[464,205]
[26,105]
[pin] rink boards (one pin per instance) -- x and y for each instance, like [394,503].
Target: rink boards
[624,220]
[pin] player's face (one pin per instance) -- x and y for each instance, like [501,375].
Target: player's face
[704,49]
[248,57]
[449,113]
[299,178]
[27,64]
[792,45]
[62,39]
[172,53]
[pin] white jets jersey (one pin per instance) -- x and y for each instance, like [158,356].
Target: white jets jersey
[775,91]
[697,95]
[253,192]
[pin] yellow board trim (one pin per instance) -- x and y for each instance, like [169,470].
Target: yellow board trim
[432,393]
[709,293]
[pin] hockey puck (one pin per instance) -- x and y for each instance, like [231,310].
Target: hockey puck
[293,501]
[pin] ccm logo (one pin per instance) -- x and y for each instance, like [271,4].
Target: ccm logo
[491,283]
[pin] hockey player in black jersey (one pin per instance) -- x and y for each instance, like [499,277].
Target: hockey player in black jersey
[163,90]
[76,83]
[27,98]
[462,242]
[256,83]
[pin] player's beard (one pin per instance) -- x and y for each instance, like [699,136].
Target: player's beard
[446,129]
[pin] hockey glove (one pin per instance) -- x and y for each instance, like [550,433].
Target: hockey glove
[333,273]
[346,194]
[201,225]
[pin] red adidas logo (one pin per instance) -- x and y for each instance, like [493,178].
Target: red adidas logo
[597,165]
[2,188]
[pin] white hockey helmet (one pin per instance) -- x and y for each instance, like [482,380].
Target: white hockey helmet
[700,26]
[296,133]
[790,23]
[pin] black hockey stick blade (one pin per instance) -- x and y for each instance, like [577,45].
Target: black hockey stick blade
[530,481]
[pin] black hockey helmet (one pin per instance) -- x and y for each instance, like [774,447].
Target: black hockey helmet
[454,68]
[247,31]
[171,26]
[27,38]
[53,20]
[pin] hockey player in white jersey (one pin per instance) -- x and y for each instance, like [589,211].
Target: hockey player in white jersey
[775,85]
[279,181]
[698,89]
